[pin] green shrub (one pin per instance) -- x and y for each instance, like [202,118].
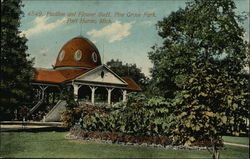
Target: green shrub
[72,116]
[140,117]
[147,116]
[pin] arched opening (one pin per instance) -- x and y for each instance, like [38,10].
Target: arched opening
[52,95]
[101,95]
[84,94]
[47,97]
[116,95]
[37,95]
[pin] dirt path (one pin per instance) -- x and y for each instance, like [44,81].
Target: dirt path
[233,144]
[27,125]
[21,126]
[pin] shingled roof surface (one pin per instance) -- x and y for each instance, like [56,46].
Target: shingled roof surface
[131,84]
[64,75]
[57,76]
[87,49]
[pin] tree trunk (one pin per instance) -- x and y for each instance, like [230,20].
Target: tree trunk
[216,155]
[216,152]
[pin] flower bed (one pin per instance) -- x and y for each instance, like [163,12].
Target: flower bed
[77,133]
[116,137]
[133,124]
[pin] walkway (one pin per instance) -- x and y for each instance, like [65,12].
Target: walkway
[233,144]
[28,126]
[34,125]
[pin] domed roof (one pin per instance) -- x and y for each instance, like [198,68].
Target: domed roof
[78,52]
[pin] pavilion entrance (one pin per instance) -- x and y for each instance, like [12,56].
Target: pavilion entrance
[84,94]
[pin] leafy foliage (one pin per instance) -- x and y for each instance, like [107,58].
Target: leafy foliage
[210,105]
[68,96]
[16,69]
[199,68]
[147,116]
[72,116]
[135,118]
[128,70]
[212,34]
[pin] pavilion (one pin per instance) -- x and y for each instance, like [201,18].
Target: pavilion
[79,65]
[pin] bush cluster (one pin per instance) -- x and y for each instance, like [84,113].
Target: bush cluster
[139,117]
[72,116]
[141,120]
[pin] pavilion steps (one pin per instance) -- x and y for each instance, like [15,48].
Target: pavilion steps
[55,113]
[33,109]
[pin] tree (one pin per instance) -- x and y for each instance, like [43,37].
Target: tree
[68,95]
[210,106]
[16,69]
[128,70]
[199,67]
[211,34]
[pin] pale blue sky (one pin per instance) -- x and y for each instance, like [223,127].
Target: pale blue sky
[126,38]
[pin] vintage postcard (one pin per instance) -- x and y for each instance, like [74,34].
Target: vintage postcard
[125,78]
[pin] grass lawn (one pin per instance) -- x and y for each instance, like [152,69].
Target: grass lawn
[237,140]
[54,144]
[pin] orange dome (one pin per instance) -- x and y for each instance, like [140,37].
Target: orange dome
[78,52]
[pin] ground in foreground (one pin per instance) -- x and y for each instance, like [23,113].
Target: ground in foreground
[54,144]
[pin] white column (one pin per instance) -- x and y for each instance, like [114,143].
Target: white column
[76,88]
[109,94]
[124,92]
[43,88]
[93,94]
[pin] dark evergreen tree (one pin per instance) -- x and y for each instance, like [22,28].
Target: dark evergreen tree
[16,69]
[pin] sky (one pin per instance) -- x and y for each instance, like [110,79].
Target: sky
[121,29]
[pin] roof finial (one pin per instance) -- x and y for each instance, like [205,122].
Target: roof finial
[81,30]
[103,52]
